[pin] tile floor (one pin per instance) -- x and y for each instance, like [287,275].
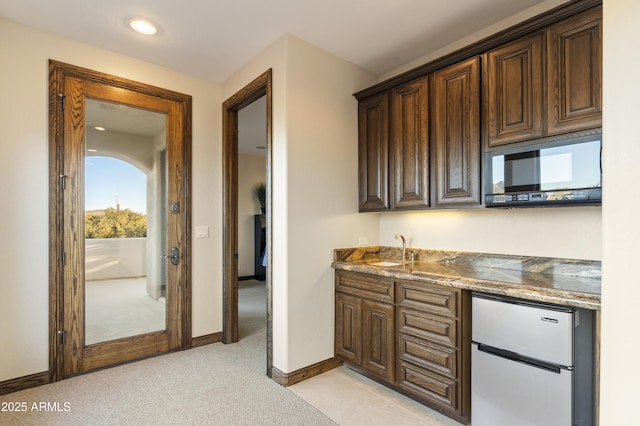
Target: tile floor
[349,398]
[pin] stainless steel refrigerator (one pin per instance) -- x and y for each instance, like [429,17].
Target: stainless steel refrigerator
[531,363]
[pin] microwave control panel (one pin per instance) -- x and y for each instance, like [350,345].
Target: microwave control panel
[574,196]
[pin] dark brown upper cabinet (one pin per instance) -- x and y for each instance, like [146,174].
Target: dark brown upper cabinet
[513,81]
[545,84]
[574,70]
[456,135]
[410,145]
[373,153]
[422,133]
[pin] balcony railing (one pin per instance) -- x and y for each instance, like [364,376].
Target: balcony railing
[115,258]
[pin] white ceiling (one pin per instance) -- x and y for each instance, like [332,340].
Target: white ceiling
[214,38]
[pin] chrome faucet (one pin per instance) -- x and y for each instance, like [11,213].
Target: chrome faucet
[404,246]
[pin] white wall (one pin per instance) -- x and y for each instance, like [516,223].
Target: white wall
[568,232]
[274,57]
[24,298]
[620,372]
[315,190]
[323,183]
[251,171]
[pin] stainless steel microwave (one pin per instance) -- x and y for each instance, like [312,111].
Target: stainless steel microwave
[567,172]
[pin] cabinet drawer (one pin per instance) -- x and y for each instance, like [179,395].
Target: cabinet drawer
[424,297]
[431,387]
[432,327]
[428,355]
[366,286]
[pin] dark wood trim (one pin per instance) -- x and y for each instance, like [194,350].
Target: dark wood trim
[261,86]
[248,277]
[87,74]
[229,224]
[207,339]
[186,289]
[536,23]
[24,382]
[56,87]
[288,379]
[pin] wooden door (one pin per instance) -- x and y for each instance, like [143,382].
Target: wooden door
[457,134]
[164,262]
[410,145]
[373,153]
[378,340]
[348,328]
[574,69]
[513,81]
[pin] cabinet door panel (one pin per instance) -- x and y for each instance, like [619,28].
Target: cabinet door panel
[378,355]
[348,328]
[575,73]
[457,134]
[373,148]
[410,145]
[513,76]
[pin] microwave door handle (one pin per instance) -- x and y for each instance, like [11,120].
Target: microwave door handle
[600,162]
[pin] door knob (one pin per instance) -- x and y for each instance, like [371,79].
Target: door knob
[175,256]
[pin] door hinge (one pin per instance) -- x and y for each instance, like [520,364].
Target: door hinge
[64,258]
[62,97]
[61,334]
[63,181]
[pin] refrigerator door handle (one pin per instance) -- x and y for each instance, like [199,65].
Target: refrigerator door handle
[553,368]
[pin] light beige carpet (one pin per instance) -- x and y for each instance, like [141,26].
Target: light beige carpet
[210,385]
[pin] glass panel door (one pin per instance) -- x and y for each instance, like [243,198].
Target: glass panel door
[125,222]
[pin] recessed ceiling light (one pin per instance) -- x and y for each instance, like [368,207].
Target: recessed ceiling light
[142,26]
[100,128]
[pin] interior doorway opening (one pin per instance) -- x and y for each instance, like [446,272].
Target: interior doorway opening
[257,89]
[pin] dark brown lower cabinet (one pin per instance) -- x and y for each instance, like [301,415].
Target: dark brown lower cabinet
[412,336]
[434,346]
[365,324]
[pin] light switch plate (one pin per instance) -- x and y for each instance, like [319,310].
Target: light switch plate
[202,232]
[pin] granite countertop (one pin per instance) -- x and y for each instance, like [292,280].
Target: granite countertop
[561,281]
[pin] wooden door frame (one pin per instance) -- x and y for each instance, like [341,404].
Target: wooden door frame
[58,72]
[261,86]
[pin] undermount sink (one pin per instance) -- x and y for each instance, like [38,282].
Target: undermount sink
[386,263]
